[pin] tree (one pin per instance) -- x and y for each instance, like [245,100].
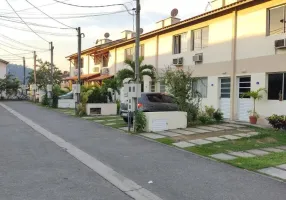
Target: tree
[10,85]
[180,85]
[256,96]
[144,70]
[113,84]
[43,74]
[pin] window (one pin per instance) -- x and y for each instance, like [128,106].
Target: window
[244,86]
[200,38]
[129,53]
[200,88]
[160,98]
[162,87]
[276,86]
[180,43]
[225,87]
[82,63]
[276,20]
[105,61]
[152,86]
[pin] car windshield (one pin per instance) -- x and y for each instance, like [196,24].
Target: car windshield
[160,98]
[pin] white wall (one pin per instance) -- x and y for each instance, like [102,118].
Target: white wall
[2,69]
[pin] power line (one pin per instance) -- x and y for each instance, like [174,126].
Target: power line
[49,15]
[72,17]
[25,22]
[15,41]
[11,53]
[21,54]
[101,6]
[30,23]
[37,31]
[11,47]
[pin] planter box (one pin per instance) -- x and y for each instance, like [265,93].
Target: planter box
[101,109]
[66,103]
[161,121]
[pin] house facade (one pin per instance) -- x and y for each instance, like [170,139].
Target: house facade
[236,47]
[3,67]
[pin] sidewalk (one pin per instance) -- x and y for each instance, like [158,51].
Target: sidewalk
[175,174]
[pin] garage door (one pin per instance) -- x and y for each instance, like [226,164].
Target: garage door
[244,103]
[225,97]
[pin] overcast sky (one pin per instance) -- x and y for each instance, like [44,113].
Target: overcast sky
[93,27]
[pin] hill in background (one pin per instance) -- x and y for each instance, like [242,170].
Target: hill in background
[18,71]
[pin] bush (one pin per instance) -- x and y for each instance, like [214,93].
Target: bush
[118,106]
[210,111]
[204,118]
[45,100]
[55,98]
[277,121]
[218,115]
[80,111]
[140,122]
[97,95]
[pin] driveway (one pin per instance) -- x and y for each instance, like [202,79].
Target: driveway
[175,174]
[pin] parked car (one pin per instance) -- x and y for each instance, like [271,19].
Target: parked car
[67,96]
[150,102]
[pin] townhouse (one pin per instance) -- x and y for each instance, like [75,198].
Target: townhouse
[236,47]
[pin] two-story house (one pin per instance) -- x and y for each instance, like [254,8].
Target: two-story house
[236,47]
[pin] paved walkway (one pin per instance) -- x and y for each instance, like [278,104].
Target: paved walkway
[175,174]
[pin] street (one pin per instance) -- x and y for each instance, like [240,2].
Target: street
[33,166]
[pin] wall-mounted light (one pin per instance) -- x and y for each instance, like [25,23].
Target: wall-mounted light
[243,71]
[212,84]
[257,83]
[223,73]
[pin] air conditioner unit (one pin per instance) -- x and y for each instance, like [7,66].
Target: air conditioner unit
[95,69]
[76,72]
[178,61]
[279,44]
[198,57]
[104,71]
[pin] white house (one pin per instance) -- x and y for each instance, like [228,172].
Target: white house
[3,66]
[238,46]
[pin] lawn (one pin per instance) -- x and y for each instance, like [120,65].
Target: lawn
[168,141]
[260,162]
[267,138]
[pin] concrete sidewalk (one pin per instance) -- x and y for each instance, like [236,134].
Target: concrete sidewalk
[175,174]
[34,168]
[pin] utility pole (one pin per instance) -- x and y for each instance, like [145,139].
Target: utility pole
[52,63]
[24,66]
[78,62]
[35,58]
[137,47]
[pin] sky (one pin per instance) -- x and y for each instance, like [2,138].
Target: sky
[93,27]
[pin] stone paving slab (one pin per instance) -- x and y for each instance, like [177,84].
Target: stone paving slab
[244,130]
[234,125]
[200,141]
[168,133]
[230,137]
[282,166]
[222,127]
[110,124]
[258,152]
[253,133]
[272,171]
[242,135]
[282,147]
[209,128]
[241,154]
[89,117]
[196,130]
[223,156]
[184,132]
[270,149]
[126,128]
[216,139]
[183,144]
[111,120]
[99,120]
[152,135]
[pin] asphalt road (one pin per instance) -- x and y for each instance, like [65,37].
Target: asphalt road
[176,175]
[34,168]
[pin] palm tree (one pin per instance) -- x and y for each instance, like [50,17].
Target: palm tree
[144,70]
[256,96]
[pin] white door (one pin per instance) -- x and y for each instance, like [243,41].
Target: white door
[244,103]
[225,97]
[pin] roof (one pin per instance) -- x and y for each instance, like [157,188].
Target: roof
[82,77]
[101,77]
[191,21]
[4,61]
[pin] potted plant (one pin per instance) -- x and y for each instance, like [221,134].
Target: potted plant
[256,96]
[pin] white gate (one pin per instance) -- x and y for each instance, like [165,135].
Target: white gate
[225,97]
[244,103]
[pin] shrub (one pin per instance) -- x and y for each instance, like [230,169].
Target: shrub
[204,118]
[218,115]
[209,111]
[118,106]
[45,100]
[140,123]
[277,121]
[80,111]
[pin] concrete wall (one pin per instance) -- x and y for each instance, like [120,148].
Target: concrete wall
[66,103]
[160,121]
[106,108]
